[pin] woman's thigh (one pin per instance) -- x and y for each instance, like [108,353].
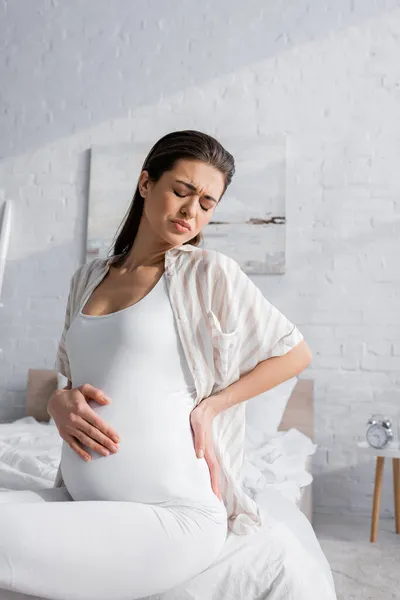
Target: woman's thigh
[98,550]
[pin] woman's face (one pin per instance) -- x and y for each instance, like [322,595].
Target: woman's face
[189,192]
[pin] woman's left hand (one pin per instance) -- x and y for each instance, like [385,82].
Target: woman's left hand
[201,420]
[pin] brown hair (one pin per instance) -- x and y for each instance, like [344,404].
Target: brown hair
[162,157]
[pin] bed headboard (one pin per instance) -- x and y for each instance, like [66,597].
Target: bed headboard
[41,384]
[299,411]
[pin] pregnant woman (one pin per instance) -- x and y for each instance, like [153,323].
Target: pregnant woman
[138,517]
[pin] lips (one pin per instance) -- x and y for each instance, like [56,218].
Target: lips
[183,223]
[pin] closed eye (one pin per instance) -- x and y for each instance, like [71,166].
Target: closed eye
[176,194]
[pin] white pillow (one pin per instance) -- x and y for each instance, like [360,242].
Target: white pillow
[265,411]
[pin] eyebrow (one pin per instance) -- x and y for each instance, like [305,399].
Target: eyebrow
[193,187]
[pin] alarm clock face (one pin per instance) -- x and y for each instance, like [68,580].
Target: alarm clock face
[377,436]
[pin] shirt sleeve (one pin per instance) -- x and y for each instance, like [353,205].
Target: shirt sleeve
[262,330]
[61,363]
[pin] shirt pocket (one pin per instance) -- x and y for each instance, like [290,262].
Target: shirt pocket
[225,349]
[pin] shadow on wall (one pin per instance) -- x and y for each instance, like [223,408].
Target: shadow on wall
[349,491]
[115,43]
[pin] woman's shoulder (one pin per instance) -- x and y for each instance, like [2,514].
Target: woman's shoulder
[91,269]
[210,269]
[214,259]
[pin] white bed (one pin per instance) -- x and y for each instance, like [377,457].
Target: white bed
[283,561]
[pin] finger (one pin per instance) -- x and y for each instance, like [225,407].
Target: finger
[215,484]
[215,473]
[93,393]
[90,435]
[90,416]
[213,476]
[200,442]
[91,443]
[75,445]
[217,492]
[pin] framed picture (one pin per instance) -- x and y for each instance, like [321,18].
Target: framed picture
[248,224]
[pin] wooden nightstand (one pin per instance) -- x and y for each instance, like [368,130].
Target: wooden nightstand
[394,454]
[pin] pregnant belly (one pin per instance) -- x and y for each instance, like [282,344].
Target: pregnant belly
[156,462]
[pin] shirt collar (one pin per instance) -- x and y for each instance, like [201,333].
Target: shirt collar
[170,255]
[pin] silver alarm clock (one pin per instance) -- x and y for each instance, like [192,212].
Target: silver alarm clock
[379,431]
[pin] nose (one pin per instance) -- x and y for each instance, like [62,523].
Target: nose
[189,209]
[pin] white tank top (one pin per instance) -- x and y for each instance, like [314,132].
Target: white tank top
[135,356]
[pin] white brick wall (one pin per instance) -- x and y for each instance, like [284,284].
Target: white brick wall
[79,73]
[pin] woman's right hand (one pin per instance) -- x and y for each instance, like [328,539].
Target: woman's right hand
[78,424]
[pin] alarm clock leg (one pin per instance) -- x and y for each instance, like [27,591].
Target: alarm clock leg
[396,490]
[380,460]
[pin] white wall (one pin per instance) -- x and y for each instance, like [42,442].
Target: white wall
[328,73]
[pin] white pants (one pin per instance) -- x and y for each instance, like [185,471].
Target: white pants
[61,549]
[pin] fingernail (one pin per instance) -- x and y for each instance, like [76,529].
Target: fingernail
[200,453]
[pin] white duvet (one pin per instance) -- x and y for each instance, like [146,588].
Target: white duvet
[283,561]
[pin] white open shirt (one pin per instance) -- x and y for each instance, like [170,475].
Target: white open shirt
[226,327]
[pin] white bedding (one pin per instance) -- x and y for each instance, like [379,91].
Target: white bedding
[283,561]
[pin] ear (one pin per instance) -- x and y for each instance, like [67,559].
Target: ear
[143,183]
